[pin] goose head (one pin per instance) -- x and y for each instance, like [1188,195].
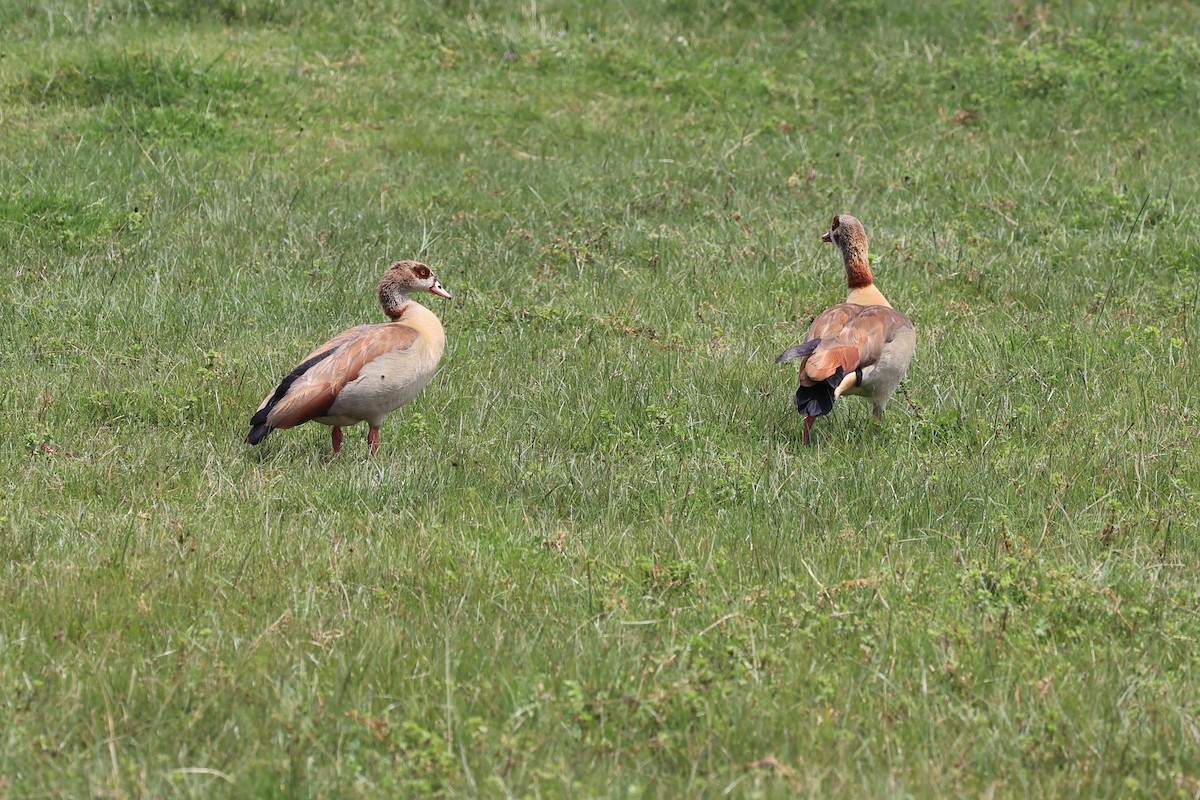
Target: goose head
[847,233]
[404,278]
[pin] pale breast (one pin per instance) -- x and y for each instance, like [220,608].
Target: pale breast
[382,386]
[394,378]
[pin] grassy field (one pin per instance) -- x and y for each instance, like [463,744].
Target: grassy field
[593,558]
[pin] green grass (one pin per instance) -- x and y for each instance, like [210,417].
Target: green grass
[593,557]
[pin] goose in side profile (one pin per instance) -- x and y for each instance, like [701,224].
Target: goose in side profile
[366,372]
[859,347]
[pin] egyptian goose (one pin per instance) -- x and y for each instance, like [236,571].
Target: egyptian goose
[861,346]
[365,373]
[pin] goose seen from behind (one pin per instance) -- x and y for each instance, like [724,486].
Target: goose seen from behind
[860,347]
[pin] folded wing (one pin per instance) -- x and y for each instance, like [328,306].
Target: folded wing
[310,389]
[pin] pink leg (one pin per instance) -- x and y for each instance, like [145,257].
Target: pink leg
[808,421]
[337,439]
[373,439]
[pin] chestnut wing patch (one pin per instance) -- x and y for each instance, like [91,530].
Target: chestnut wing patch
[845,338]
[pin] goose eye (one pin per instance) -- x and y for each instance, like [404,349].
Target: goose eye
[422,271]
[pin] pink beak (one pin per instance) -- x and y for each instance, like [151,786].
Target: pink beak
[439,291]
[825,237]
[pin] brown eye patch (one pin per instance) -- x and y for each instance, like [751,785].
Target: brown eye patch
[835,224]
[421,271]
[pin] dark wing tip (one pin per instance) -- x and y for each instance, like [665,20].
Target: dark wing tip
[258,432]
[258,423]
[798,351]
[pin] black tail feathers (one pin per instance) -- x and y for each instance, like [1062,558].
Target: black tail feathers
[817,400]
[258,433]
